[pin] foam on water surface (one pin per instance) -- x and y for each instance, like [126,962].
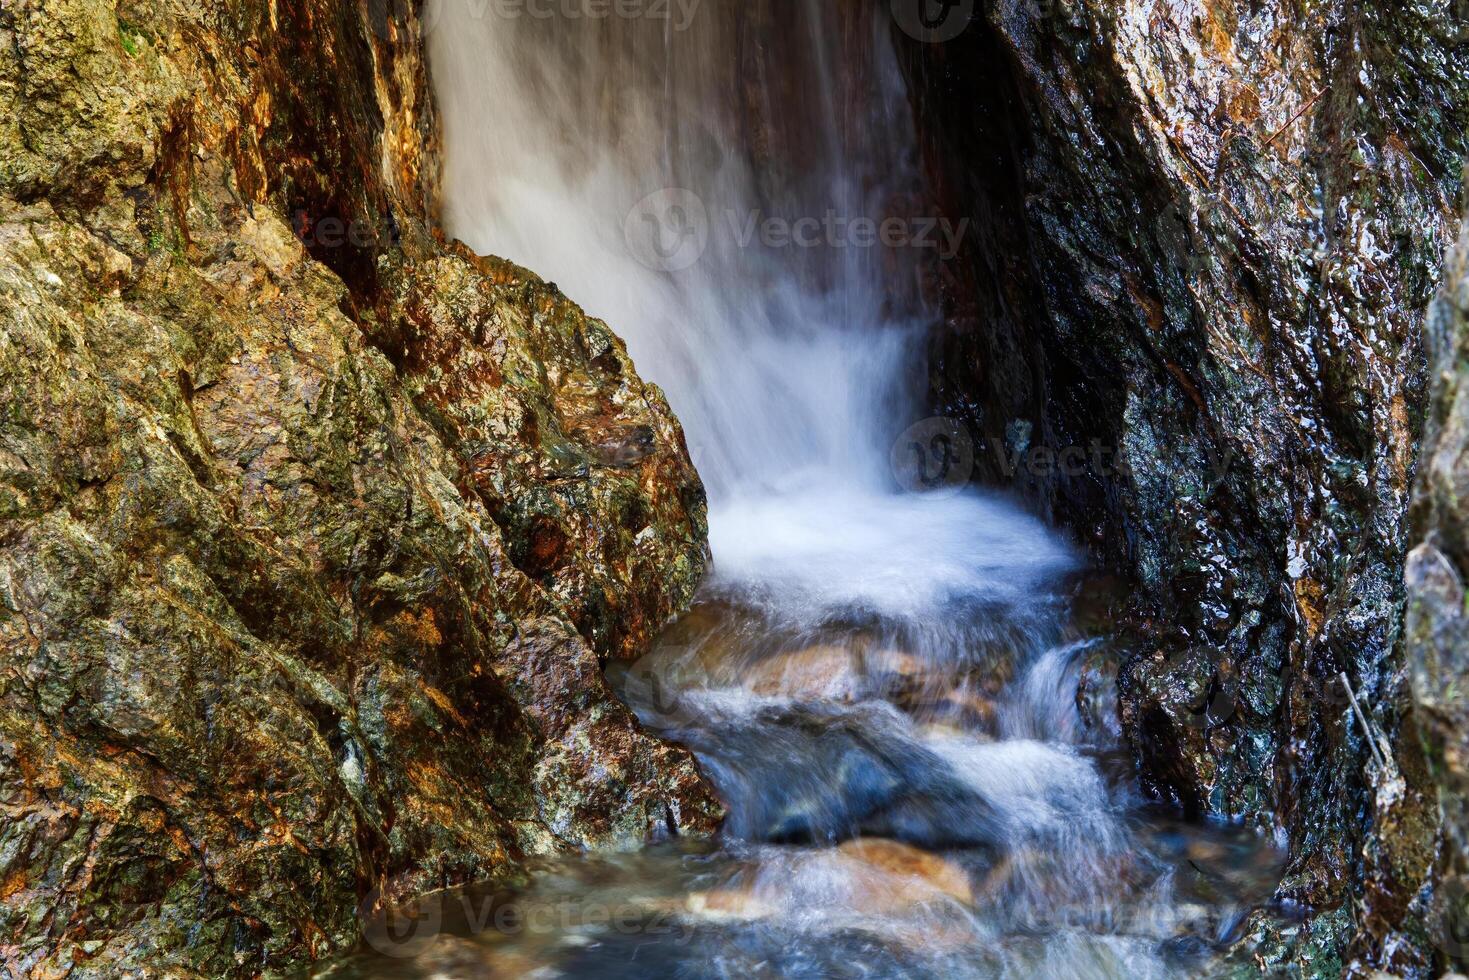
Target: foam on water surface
[830,548]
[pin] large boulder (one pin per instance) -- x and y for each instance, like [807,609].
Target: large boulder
[1187,322]
[316,530]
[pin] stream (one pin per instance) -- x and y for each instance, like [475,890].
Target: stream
[897,683]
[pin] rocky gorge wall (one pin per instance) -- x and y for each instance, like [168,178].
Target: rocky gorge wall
[1438,616]
[1207,232]
[317,530]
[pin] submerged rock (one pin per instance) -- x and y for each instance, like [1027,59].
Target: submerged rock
[819,672]
[824,772]
[868,876]
[917,876]
[316,529]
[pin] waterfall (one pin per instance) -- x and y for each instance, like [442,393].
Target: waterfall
[881,683]
[717,183]
[608,155]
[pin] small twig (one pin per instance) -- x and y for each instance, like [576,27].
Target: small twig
[1366,725]
[1296,118]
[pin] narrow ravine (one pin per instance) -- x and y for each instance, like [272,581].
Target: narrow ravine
[712,488]
[889,676]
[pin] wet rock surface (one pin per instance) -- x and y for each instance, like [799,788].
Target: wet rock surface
[317,531]
[817,773]
[1438,624]
[1188,325]
[863,840]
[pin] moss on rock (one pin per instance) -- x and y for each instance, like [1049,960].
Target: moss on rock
[316,528]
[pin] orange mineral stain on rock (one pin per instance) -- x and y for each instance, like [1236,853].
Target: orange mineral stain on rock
[1309,602]
[13,883]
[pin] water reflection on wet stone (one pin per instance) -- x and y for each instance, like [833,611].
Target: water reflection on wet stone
[904,801]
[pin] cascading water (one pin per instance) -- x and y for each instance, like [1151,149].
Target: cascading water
[610,154]
[881,684]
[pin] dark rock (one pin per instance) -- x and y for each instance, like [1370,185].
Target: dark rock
[1203,239]
[826,772]
[1438,625]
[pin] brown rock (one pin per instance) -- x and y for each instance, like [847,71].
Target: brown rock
[831,671]
[315,529]
[878,878]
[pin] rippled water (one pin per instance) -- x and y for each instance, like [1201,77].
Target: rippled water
[928,795]
[891,692]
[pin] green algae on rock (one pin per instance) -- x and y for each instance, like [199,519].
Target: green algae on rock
[317,530]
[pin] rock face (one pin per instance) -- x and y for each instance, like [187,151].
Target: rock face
[1188,324]
[316,529]
[1438,616]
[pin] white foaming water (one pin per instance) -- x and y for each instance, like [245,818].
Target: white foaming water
[1043,791]
[777,358]
[792,368]
[1042,705]
[826,549]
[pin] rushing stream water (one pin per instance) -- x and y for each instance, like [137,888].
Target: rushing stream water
[881,684]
